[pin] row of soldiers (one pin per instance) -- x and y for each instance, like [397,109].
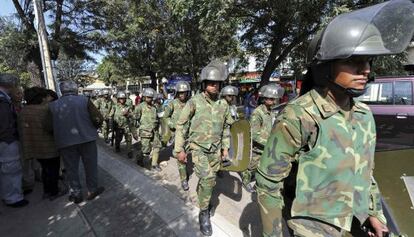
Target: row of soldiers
[200,126]
[125,121]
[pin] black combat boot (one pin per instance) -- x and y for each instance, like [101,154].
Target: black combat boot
[184,185]
[205,224]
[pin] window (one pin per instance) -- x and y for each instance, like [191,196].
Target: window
[378,93]
[403,93]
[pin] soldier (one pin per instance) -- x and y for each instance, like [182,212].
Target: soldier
[147,123]
[98,98]
[129,101]
[123,118]
[105,106]
[261,122]
[324,141]
[200,122]
[172,112]
[229,94]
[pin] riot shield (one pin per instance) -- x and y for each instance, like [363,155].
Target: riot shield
[240,146]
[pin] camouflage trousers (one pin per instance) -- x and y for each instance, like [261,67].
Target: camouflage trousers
[206,166]
[105,128]
[150,145]
[251,169]
[119,134]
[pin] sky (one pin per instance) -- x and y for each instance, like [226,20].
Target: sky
[7,9]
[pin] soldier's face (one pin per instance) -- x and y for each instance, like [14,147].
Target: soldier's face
[352,72]
[229,98]
[212,87]
[148,100]
[269,102]
[121,101]
[182,96]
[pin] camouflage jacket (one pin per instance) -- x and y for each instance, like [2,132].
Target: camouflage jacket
[105,107]
[172,112]
[122,115]
[146,116]
[96,102]
[334,157]
[129,103]
[203,122]
[261,122]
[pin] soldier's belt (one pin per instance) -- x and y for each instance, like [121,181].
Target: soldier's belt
[258,146]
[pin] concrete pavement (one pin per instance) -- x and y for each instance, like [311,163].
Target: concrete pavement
[136,202]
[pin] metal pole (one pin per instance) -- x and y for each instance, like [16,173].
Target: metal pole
[44,46]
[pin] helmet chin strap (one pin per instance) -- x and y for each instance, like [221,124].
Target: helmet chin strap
[352,92]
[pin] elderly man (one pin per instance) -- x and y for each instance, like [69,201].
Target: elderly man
[75,124]
[10,166]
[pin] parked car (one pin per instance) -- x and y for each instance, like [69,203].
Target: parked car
[391,102]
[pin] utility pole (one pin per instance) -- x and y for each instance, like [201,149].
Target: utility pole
[44,46]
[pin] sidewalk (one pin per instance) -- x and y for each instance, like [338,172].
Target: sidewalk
[134,204]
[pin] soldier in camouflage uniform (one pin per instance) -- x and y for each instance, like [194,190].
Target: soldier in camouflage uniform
[97,99]
[105,106]
[261,122]
[201,123]
[229,94]
[319,159]
[147,121]
[123,118]
[129,101]
[172,112]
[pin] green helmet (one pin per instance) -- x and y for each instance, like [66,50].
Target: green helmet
[214,71]
[229,90]
[381,29]
[121,95]
[271,91]
[182,86]
[68,87]
[7,79]
[149,92]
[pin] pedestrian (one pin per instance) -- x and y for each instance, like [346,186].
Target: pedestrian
[201,126]
[37,143]
[261,123]
[10,165]
[147,124]
[75,122]
[123,118]
[318,162]
[171,113]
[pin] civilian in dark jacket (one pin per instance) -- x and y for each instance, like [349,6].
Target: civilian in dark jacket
[10,166]
[75,123]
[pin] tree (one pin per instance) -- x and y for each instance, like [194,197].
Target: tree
[78,70]
[70,28]
[161,38]
[13,48]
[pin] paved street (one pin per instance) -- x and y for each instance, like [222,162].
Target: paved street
[136,203]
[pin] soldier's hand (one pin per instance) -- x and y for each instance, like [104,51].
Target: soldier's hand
[182,157]
[224,154]
[378,229]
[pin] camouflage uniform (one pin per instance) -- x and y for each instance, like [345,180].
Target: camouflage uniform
[105,107]
[146,116]
[123,125]
[201,123]
[129,103]
[261,122]
[172,112]
[333,158]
